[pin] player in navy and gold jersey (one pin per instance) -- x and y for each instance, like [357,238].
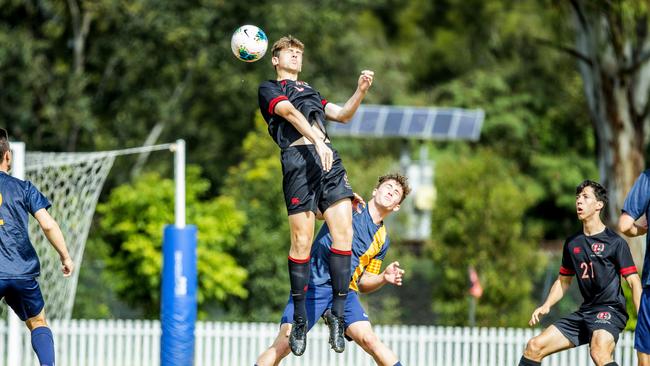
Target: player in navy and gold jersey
[369,247]
[597,257]
[631,223]
[19,264]
[314,178]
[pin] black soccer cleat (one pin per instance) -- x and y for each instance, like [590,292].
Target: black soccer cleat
[337,328]
[298,338]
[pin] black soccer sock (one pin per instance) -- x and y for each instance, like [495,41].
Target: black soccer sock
[613,363]
[526,362]
[299,278]
[340,262]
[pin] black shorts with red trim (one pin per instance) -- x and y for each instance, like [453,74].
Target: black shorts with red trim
[579,326]
[307,187]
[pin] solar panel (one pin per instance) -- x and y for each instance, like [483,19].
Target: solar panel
[422,123]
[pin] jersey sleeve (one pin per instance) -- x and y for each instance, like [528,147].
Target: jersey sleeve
[35,199]
[636,201]
[624,261]
[566,269]
[270,94]
[374,266]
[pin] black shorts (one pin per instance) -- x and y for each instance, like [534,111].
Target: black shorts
[22,295]
[580,325]
[307,187]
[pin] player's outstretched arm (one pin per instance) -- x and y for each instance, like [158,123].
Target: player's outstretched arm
[53,233]
[559,288]
[630,227]
[370,282]
[287,111]
[635,284]
[344,114]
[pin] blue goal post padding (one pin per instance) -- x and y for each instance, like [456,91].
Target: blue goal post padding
[179,304]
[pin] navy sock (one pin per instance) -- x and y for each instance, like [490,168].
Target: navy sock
[43,344]
[613,363]
[299,277]
[340,273]
[397,364]
[526,362]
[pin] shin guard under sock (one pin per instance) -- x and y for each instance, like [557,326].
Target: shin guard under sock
[299,278]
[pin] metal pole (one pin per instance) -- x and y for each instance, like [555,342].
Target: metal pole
[179,179]
[13,322]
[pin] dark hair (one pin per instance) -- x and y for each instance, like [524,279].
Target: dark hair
[400,179]
[4,142]
[599,191]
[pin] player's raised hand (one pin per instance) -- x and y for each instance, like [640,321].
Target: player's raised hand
[365,80]
[357,202]
[67,266]
[326,155]
[393,274]
[538,313]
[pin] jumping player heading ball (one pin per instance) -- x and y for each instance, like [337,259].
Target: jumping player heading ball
[314,179]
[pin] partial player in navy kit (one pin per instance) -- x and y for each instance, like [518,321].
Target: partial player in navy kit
[633,222]
[19,264]
[314,179]
[597,257]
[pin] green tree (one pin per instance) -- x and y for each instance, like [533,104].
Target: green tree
[479,221]
[131,224]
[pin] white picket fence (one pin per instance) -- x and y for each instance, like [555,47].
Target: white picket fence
[137,343]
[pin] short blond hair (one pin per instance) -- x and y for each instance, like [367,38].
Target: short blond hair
[286,42]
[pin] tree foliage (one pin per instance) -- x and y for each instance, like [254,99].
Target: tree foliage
[132,222]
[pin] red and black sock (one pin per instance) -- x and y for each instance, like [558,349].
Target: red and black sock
[299,278]
[340,272]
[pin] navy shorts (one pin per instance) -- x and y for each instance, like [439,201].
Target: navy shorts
[306,186]
[580,325]
[642,331]
[23,296]
[319,299]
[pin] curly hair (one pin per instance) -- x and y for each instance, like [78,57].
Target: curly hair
[402,180]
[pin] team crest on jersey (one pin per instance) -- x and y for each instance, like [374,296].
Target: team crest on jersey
[603,317]
[597,248]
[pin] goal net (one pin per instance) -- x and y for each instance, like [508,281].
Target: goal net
[72,182]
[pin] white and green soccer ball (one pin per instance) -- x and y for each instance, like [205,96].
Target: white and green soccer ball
[249,43]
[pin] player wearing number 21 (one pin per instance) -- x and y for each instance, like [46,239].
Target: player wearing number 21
[19,264]
[597,257]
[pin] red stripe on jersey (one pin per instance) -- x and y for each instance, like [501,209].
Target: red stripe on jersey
[341,252]
[566,271]
[299,261]
[323,102]
[275,101]
[628,270]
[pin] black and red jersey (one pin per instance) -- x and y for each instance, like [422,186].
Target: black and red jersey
[598,262]
[303,97]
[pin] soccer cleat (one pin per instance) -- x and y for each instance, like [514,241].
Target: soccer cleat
[298,338]
[337,328]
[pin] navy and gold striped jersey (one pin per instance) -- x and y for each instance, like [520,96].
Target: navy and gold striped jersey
[18,199]
[369,246]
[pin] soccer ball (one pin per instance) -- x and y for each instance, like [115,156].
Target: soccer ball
[249,43]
